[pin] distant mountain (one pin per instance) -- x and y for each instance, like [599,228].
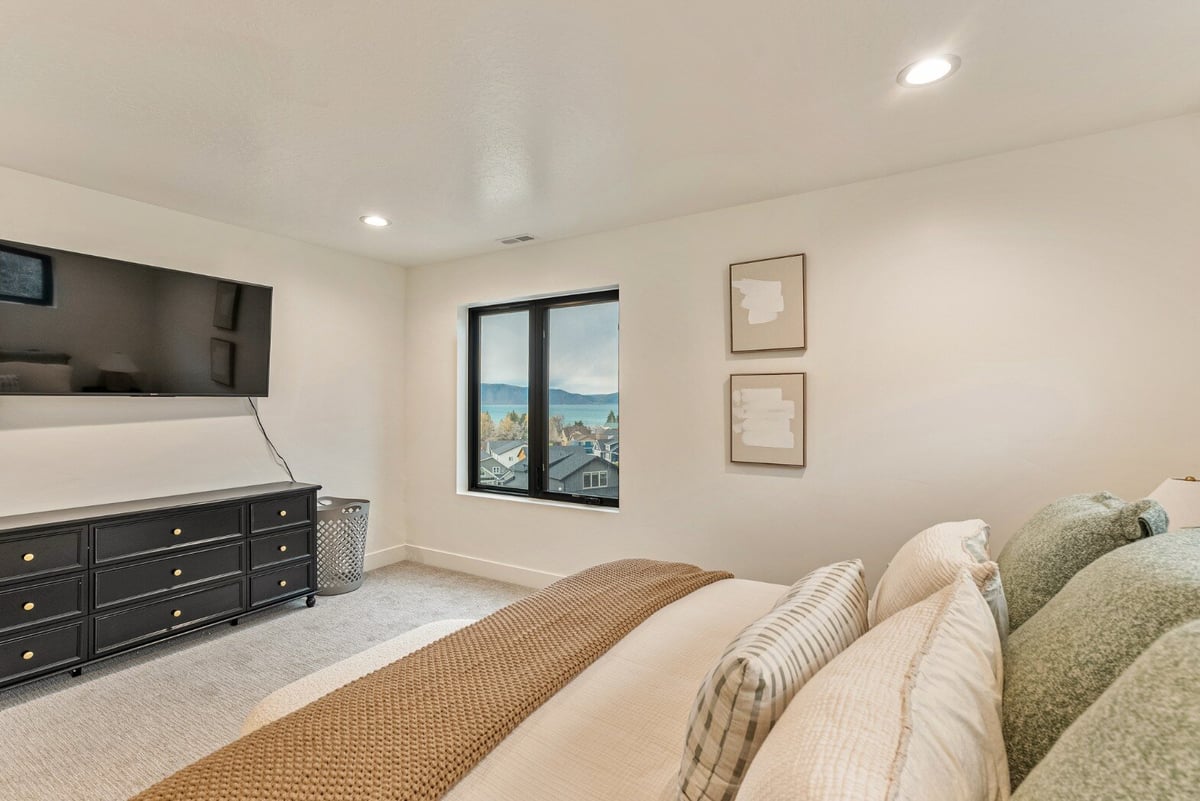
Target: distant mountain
[503,393]
[493,394]
[560,397]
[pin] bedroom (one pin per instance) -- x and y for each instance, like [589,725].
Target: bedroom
[999,267]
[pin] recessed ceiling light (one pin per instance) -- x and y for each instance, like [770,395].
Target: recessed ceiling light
[375,221]
[928,70]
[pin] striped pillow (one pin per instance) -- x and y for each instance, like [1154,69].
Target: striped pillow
[760,671]
[10,383]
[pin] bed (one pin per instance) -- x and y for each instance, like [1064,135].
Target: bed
[579,745]
[772,692]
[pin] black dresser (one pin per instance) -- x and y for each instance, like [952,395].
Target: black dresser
[81,585]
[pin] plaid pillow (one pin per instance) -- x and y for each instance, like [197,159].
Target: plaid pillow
[760,671]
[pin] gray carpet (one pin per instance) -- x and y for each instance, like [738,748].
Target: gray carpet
[133,720]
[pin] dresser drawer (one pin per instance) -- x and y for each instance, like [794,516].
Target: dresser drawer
[41,652]
[42,555]
[277,513]
[143,623]
[276,549]
[45,602]
[284,582]
[114,585]
[120,540]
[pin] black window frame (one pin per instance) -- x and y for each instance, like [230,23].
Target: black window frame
[539,394]
[47,297]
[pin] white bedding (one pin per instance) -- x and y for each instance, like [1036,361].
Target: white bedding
[615,732]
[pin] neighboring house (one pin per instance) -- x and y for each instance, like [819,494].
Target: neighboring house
[507,451]
[573,470]
[575,433]
[606,446]
[492,472]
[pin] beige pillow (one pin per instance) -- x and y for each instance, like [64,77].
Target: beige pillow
[933,559]
[759,672]
[909,712]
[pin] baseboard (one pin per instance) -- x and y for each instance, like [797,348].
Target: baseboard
[500,571]
[385,556]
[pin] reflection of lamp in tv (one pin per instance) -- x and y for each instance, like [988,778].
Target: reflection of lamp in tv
[116,373]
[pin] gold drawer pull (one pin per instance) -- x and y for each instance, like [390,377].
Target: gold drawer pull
[28,557]
[283,512]
[283,584]
[176,572]
[176,612]
[28,606]
[283,549]
[27,655]
[177,532]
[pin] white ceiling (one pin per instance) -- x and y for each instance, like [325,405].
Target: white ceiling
[468,121]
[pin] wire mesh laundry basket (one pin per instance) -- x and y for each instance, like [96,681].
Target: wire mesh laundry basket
[341,544]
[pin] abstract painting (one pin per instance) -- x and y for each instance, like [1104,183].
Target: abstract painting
[766,304]
[766,424]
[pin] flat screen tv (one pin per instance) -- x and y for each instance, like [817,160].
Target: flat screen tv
[72,323]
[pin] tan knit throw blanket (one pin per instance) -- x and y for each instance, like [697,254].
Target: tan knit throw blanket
[410,730]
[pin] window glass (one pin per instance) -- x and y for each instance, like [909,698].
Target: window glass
[583,426]
[503,397]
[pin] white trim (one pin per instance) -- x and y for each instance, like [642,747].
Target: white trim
[385,556]
[500,496]
[500,571]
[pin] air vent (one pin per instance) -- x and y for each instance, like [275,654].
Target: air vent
[514,240]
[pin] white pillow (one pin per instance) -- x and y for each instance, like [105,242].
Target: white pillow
[761,670]
[909,712]
[46,378]
[933,559]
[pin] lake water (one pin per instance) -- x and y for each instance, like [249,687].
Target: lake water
[590,414]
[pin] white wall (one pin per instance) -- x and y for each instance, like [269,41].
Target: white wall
[337,371]
[983,337]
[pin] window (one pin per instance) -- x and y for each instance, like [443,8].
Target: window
[543,387]
[595,480]
[25,277]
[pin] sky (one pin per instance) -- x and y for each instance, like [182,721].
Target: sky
[583,348]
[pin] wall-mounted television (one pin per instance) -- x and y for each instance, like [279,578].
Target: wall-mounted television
[73,323]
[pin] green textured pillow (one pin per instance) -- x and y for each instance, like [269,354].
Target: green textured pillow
[1065,537]
[1141,739]
[1067,654]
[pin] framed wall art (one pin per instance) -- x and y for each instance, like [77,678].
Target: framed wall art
[767,304]
[766,418]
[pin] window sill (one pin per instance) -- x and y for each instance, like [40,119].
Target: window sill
[539,502]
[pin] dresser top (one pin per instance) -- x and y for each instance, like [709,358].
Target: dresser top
[66,516]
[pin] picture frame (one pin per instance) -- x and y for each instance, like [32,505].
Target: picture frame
[225,308]
[221,358]
[767,418]
[767,304]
